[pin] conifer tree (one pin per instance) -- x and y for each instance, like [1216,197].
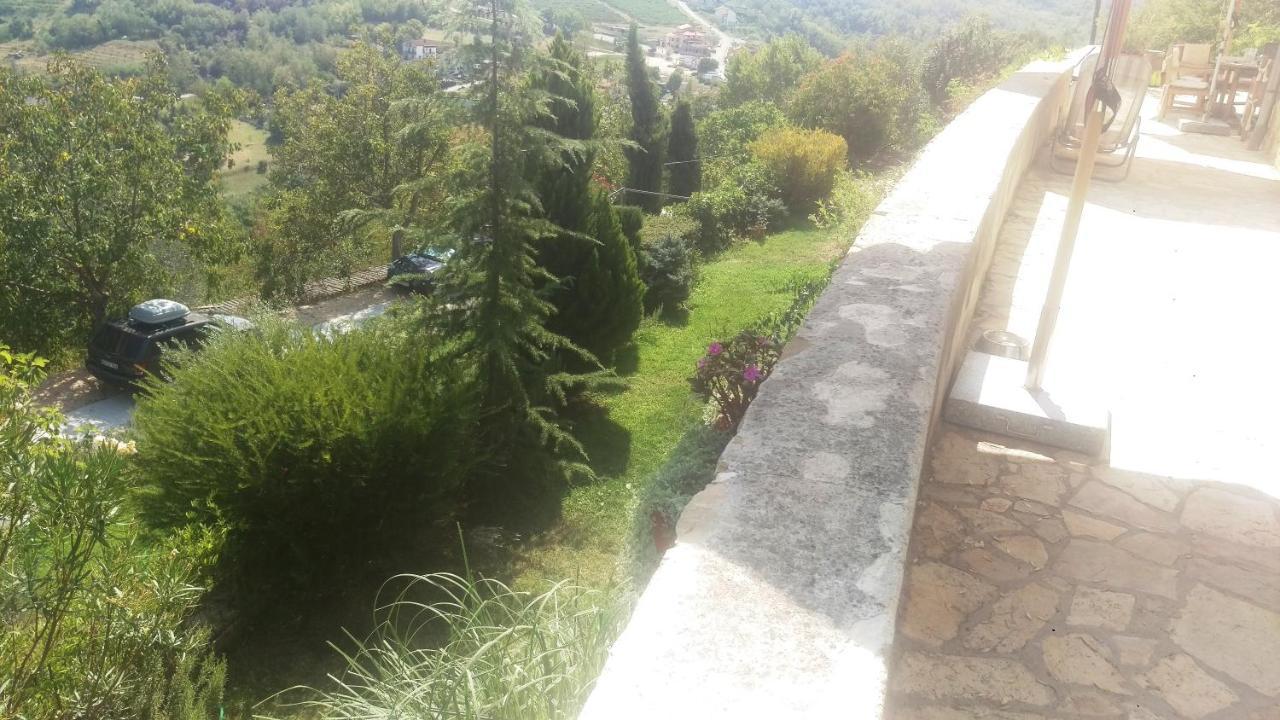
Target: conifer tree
[598,295]
[571,114]
[490,305]
[644,159]
[682,153]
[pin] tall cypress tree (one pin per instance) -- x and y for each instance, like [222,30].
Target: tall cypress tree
[602,303]
[644,160]
[682,153]
[598,295]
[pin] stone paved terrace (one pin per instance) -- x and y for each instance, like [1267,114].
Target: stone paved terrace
[1041,584]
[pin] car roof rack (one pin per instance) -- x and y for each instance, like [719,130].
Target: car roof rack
[158,312]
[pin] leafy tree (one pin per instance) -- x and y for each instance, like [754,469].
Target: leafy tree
[969,50]
[707,64]
[96,621]
[724,137]
[675,81]
[644,158]
[1157,24]
[358,174]
[489,299]
[861,96]
[769,73]
[98,179]
[597,294]
[682,153]
[804,162]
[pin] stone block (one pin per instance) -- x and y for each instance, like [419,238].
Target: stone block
[989,394]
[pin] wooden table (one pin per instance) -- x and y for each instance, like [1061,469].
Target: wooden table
[1233,71]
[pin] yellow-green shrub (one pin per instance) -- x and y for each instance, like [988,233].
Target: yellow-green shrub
[804,162]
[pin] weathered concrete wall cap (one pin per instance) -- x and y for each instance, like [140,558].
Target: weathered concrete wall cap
[779,599]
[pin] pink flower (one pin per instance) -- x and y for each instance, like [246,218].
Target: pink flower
[715,348]
[751,374]
[702,362]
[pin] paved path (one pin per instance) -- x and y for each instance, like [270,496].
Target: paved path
[334,315]
[1041,586]
[1044,585]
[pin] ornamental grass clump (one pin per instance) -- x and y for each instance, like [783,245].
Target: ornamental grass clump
[731,372]
[448,646]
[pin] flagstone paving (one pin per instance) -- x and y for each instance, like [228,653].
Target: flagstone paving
[1043,586]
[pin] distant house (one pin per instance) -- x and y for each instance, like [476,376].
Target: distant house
[687,41]
[612,41]
[726,16]
[419,49]
[613,29]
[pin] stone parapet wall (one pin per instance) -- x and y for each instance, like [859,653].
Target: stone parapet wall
[780,597]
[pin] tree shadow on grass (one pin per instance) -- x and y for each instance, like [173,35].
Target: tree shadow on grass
[675,317]
[607,443]
[626,361]
[688,469]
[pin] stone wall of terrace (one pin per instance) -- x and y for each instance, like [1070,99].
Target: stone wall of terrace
[780,597]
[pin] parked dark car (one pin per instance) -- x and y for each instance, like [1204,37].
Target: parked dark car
[122,352]
[415,271]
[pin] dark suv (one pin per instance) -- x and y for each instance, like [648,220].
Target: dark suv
[416,271]
[122,352]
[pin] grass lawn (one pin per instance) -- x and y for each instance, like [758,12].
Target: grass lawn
[243,177]
[648,420]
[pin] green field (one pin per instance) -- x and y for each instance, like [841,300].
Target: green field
[647,421]
[650,12]
[243,177]
[113,55]
[644,12]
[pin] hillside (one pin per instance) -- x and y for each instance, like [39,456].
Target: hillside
[828,21]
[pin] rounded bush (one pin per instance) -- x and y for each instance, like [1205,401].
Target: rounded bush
[322,458]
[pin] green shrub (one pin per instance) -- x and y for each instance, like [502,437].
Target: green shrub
[851,201]
[746,201]
[674,224]
[730,373]
[504,654]
[804,162]
[667,269]
[689,467]
[632,219]
[95,618]
[600,298]
[323,458]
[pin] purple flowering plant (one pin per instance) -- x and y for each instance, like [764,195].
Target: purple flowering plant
[730,373]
